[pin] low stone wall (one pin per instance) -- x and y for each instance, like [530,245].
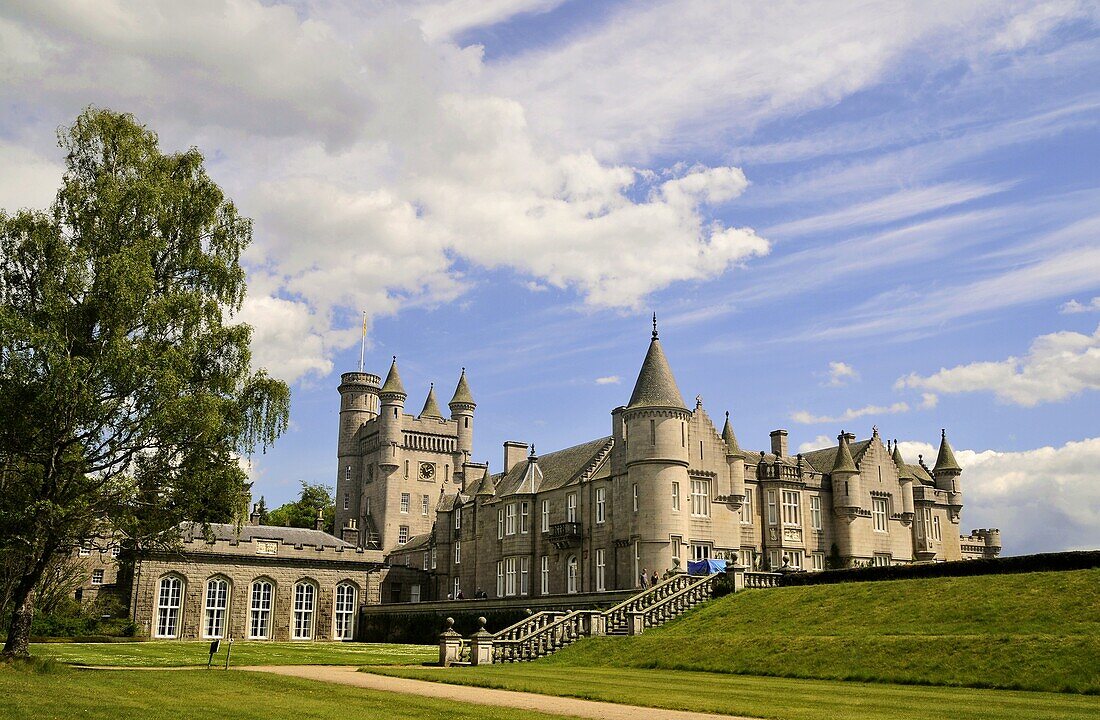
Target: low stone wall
[423,622]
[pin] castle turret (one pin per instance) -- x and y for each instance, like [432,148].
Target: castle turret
[392,396]
[905,478]
[462,413]
[655,421]
[735,460]
[947,472]
[845,478]
[431,406]
[358,405]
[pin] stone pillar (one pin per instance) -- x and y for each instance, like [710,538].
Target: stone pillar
[735,573]
[481,645]
[595,623]
[637,623]
[450,645]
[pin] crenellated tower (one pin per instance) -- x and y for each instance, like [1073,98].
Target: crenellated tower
[358,406]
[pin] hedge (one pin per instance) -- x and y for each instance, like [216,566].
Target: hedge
[1043,562]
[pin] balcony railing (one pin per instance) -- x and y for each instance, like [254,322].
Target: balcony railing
[564,534]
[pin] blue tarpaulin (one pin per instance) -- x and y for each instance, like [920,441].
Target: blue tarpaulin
[706,567]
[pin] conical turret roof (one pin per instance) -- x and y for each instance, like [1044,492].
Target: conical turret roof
[656,387]
[732,448]
[431,406]
[393,380]
[843,462]
[946,459]
[903,470]
[462,391]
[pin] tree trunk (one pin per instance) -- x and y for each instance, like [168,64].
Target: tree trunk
[19,634]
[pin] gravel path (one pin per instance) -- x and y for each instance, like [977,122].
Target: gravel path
[574,707]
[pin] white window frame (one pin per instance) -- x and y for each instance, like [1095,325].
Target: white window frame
[936,533]
[458,552]
[510,519]
[882,560]
[433,558]
[500,578]
[879,512]
[457,589]
[677,543]
[259,616]
[84,551]
[746,507]
[347,500]
[402,534]
[675,496]
[791,507]
[215,607]
[343,611]
[634,492]
[524,517]
[601,505]
[817,561]
[500,523]
[405,499]
[572,575]
[701,551]
[425,503]
[305,603]
[544,572]
[169,606]
[815,512]
[546,516]
[458,518]
[525,575]
[414,593]
[509,576]
[601,570]
[571,507]
[700,498]
[773,508]
[97,576]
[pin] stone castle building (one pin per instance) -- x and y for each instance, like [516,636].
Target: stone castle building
[666,486]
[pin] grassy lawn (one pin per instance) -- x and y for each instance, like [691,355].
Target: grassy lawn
[768,697]
[175,653]
[1033,631]
[200,695]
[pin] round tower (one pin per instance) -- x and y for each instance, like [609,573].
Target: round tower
[392,397]
[905,477]
[462,413]
[847,493]
[735,460]
[655,421]
[946,473]
[358,405]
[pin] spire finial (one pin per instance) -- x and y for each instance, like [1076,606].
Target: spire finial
[943,433]
[727,414]
[532,453]
[654,326]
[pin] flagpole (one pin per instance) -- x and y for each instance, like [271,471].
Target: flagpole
[363,342]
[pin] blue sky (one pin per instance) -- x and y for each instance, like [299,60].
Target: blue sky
[844,215]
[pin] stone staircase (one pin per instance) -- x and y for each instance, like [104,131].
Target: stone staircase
[544,633]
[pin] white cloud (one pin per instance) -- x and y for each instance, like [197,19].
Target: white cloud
[841,373]
[1042,500]
[819,442]
[929,401]
[1073,307]
[452,17]
[807,418]
[1056,367]
[608,380]
[28,180]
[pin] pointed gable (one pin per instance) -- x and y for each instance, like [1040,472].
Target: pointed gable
[431,406]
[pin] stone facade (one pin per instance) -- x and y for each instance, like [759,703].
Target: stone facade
[256,582]
[665,487]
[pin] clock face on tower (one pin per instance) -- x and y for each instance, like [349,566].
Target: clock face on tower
[427,471]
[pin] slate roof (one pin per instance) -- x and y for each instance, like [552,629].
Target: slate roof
[393,380]
[558,468]
[823,460]
[730,439]
[946,458]
[431,406]
[462,391]
[246,533]
[656,387]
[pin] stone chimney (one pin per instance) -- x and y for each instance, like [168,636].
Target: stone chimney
[514,452]
[254,516]
[851,437]
[319,523]
[779,443]
[350,533]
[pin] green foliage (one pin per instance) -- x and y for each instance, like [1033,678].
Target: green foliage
[303,512]
[1035,631]
[156,653]
[771,697]
[127,393]
[217,695]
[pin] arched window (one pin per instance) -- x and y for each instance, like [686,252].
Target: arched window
[572,574]
[168,606]
[259,622]
[345,611]
[217,602]
[305,596]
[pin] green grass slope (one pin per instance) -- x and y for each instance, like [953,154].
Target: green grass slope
[1034,631]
